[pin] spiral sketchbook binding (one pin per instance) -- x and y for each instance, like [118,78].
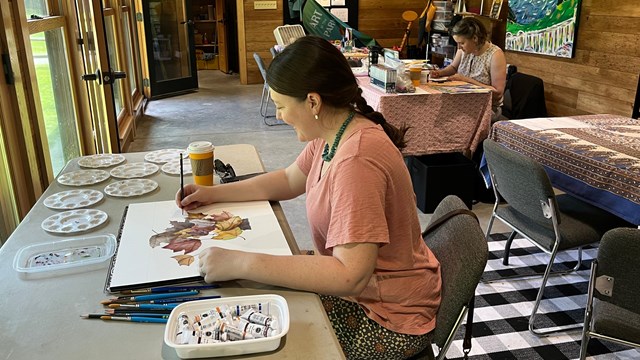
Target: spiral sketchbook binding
[107,285]
[107,282]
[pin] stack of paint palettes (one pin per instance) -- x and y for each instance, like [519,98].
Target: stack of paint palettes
[151,305]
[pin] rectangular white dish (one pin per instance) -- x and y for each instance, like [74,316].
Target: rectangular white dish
[65,256]
[277,307]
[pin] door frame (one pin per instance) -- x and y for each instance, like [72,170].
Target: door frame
[153,88]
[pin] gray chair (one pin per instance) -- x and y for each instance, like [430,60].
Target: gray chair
[273,51]
[265,98]
[613,303]
[552,223]
[460,247]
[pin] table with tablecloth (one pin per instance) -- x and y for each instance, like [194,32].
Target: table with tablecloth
[440,122]
[593,157]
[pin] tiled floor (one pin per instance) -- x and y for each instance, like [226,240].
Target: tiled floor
[225,112]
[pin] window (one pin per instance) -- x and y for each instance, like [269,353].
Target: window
[55,95]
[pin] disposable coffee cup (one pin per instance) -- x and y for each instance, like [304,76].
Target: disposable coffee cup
[414,74]
[201,156]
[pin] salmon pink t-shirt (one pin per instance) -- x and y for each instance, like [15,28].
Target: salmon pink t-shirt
[366,196]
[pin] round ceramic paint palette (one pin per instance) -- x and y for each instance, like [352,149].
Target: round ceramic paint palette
[74,221]
[131,187]
[134,170]
[73,199]
[101,160]
[83,177]
[166,155]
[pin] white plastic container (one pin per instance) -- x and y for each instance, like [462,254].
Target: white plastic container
[277,307]
[67,256]
[443,5]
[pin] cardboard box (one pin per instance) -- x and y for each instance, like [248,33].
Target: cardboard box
[438,175]
[212,64]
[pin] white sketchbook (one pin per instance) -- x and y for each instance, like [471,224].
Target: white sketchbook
[158,245]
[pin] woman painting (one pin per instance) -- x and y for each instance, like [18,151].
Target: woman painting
[378,281]
[477,61]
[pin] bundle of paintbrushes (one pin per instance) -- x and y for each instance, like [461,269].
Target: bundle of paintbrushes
[151,305]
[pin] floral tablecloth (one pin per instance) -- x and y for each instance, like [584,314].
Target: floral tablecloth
[598,162]
[439,122]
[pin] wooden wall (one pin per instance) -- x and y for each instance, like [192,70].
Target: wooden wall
[603,75]
[601,78]
[381,19]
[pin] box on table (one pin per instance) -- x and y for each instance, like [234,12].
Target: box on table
[277,307]
[438,175]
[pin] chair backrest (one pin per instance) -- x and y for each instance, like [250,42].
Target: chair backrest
[460,247]
[525,95]
[521,181]
[618,256]
[261,66]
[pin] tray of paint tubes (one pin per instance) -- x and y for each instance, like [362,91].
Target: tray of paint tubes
[227,326]
[61,257]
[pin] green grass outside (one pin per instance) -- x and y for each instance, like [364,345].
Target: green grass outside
[47,101]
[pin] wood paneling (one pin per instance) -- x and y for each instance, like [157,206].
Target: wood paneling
[378,18]
[601,78]
[603,75]
[255,34]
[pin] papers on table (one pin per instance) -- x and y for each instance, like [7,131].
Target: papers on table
[459,87]
[551,123]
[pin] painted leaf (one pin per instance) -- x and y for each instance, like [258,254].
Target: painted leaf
[228,234]
[229,224]
[187,245]
[245,225]
[225,215]
[184,260]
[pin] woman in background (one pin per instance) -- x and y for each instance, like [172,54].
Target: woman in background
[477,61]
[378,281]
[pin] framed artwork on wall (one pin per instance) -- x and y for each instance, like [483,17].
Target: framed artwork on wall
[545,27]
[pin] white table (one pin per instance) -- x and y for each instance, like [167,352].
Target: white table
[40,317]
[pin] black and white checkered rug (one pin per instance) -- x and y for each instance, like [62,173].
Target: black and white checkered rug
[502,310]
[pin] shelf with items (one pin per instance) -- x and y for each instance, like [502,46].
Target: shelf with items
[205,33]
[491,13]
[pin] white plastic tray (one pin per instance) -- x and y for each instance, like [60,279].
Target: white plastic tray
[277,306]
[65,256]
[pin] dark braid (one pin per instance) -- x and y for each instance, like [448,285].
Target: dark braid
[396,135]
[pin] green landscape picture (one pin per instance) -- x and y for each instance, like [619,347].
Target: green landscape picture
[546,27]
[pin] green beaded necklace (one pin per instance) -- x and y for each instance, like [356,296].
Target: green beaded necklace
[328,155]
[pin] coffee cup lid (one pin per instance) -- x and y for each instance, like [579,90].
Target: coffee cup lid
[199,147]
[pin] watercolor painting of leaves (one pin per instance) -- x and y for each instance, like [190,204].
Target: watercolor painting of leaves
[186,236]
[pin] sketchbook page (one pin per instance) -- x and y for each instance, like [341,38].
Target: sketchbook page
[158,244]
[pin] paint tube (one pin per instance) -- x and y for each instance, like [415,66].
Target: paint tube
[257,318]
[256,330]
[232,333]
[206,319]
[263,308]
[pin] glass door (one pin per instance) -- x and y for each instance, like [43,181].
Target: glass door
[170,46]
[98,75]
